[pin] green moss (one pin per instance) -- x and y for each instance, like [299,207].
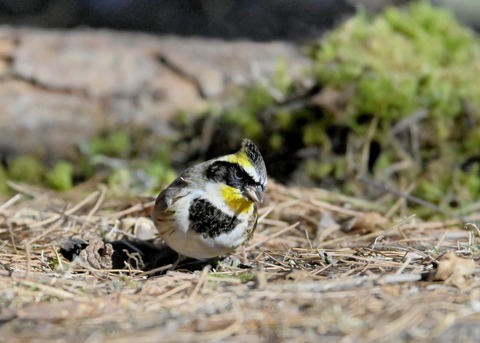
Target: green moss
[26,169]
[3,181]
[402,61]
[245,277]
[252,101]
[317,170]
[132,161]
[60,177]
[220,276]
[161,173]
[114,144]
[314,134]
[276,142]
[258,98]
[281,79]
[283,119]
[120,181]
[466,184]
[246,120]
[390,67]
[430,191]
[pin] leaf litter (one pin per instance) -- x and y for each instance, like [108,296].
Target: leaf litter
[322,266]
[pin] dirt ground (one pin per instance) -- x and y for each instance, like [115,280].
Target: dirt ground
[324,267]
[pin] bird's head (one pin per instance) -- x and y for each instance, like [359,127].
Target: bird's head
[242,175]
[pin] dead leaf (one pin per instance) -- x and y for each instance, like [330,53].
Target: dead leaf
[393,290]
[97,254]
[368,223]
[453,269]
[142,228]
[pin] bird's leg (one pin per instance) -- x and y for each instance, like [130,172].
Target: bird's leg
[180,258]
[244,255]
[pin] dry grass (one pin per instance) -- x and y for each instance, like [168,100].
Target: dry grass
[326,267]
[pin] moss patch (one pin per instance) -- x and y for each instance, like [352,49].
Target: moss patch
[396,100]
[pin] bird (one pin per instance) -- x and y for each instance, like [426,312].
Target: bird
[210,209]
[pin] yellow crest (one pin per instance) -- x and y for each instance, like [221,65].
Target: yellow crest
[240,158]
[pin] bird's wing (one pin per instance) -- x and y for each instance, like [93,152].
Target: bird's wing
[164,211]
[168,196]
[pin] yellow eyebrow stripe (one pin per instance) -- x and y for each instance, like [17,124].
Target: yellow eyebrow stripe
[240,158]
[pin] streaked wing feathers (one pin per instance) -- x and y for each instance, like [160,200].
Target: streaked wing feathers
[163,212]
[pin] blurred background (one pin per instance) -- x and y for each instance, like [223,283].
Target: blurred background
[258,20]
[371,97]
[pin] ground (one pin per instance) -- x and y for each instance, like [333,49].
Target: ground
[323,267]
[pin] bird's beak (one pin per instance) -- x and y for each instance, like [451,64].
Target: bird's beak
[253,193]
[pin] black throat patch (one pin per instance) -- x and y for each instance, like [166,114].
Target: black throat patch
[209,220]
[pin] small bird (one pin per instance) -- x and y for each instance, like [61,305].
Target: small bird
[211,208]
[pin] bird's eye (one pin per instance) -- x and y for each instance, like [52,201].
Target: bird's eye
[237,174]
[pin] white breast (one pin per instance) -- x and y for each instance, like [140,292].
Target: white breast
[192,244]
